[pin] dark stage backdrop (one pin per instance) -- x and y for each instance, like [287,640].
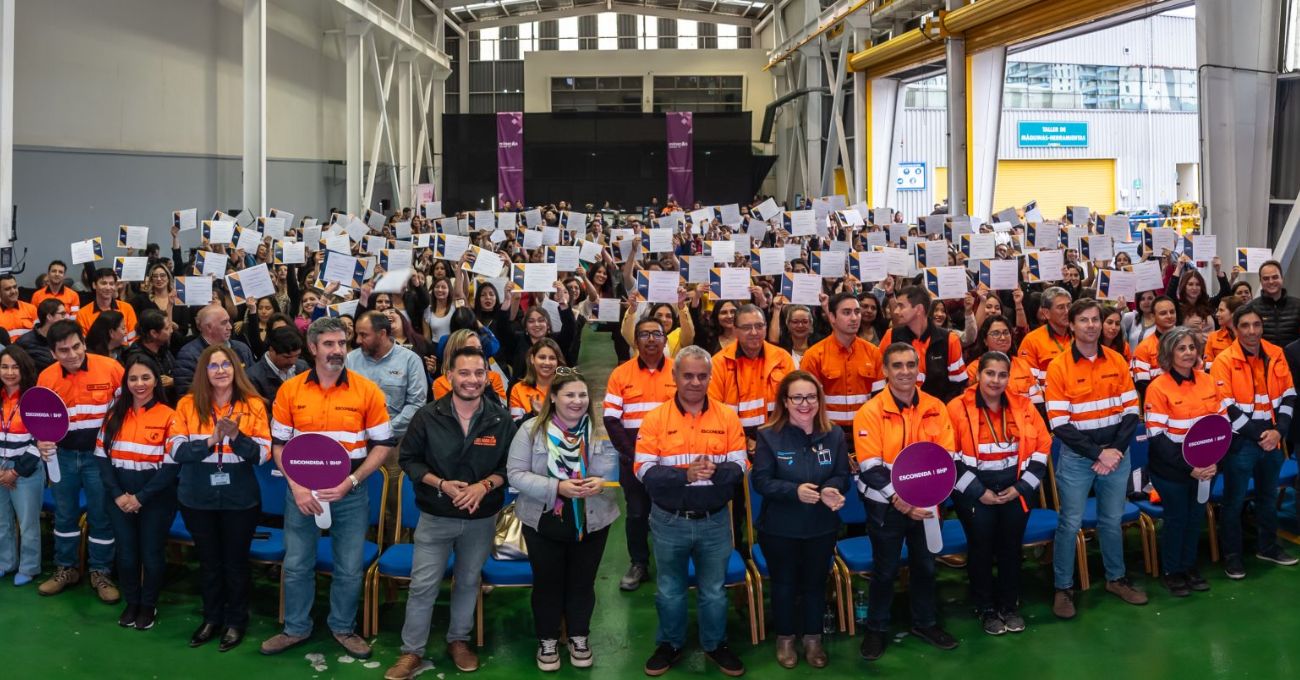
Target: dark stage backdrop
[596,157]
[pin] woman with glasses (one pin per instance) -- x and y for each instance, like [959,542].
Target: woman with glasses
[130,449]
[1003,457]
[995,335]
[528,395]
[560,472]
[801,471]
[794,331]
[221,433]
[159,292]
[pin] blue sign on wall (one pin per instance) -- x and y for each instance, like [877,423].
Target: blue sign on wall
[911,177]
[1033,133]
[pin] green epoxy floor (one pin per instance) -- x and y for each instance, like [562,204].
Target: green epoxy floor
[1244,629]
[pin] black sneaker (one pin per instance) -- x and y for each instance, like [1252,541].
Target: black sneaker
[664,657]
[992,623]
[1233,568]
[127,619]
[1197,582]
[936,636]
[1014,622]
[727,660]
[635,576]
[145,619]
[873,644]
[1177,585]
[1275,554]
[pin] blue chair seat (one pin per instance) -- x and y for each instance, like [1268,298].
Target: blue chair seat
[1041,526]
[269,549]
[1290,469]
[507,572]
[1216,489]
[179,532]
[735,569]
[1152,510]
[397,560]
[325,555]
[1131,513]
[856,553]
[954,538]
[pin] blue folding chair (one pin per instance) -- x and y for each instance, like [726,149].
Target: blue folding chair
[758,563]
[395,563]
[853,555]
[268,542]
[1150,512]
[499,573]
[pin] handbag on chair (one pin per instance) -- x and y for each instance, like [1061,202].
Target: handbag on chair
[508,540]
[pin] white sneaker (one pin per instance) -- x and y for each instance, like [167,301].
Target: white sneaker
[548,655]
[579,652]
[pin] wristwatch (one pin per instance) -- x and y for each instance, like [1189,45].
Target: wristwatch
[355,482]
[488,483]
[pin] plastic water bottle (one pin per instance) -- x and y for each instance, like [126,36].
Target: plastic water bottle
[860,607]
[830,622]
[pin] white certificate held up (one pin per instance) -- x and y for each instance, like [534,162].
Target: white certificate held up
[723,252]
[608,309]
[1147,276]
[1113,284]
[946,283]
[565,258]
[392,281]
[659,240]
[1000,274]
[829,264]
[251,284]
[133,237]
[342,269]
[130,268]
[211,264]
[90,250]
[485,262]
[1204,247]
[659,286]
[194,291]
[803,223]
[730,283]
[871,266]
[804,289]
[290,252]
[185,220]
[771,261]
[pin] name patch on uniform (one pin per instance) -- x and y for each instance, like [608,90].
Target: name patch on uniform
[785,457]
[486,440]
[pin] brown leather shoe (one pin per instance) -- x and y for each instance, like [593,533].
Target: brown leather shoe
[355,645]
[104,588]
[1063,604]
[1124,589]
[280,642]
[461,655]
[813,651]
[63,578]
[785,654]
[405,667]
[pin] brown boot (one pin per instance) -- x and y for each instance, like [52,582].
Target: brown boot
[63,578]
[813,651]
[785,654]
[405,667]
[461,655]
[104,588]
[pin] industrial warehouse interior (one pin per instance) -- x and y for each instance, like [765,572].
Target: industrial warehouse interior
[606,338]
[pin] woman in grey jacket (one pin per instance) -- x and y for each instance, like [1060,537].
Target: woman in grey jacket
[560,473]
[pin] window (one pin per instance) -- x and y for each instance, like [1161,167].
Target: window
[604,93]
[1030,85]
[701,94]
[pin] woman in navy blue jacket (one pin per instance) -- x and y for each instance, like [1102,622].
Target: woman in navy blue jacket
[801,470]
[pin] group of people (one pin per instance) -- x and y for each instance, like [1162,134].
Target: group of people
[472,390]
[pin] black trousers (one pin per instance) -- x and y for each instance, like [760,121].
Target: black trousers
[637,521]
[222,539]
[564,579]
[887,541]
[141,542]
[994,535]
[798,568]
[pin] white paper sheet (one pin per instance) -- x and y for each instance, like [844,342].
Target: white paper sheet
[872,266]
[194,291]
[532,239]
[291,252]
[451,247]
[947,283]
[1204,247]
[803,223]
[766,210]
[273,227]
[392,281]
[247,239]
[732,283]
[980,246]
[898,262]
[218,232]
[311,237]
[211,264]
[131,268]
[1162,239]
[660,240]
[660,286]
[730,214]
[255,283]
[1112,285]
[392,259]
[1003,274]
[830,264]
[771,261]
[1097,248]
[187,219]
[589,251]
[133,237]
[1147,276]
[698,267]
[723,252]
[805,289]
[341,268]
[486,263]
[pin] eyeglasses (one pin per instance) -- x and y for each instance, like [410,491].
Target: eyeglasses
[999,334]
[752,327]
[650,335]
[223,366]
[565,370]
[802,399]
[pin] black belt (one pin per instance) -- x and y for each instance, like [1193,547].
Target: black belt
[693,514]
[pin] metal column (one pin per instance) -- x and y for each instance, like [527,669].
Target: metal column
[860,114]
[955,55]
[6,122]
[254,62]
[355,107]
[988,75]
[462,66]
[404,192]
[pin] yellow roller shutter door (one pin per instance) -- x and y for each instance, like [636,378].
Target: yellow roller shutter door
[1055,184]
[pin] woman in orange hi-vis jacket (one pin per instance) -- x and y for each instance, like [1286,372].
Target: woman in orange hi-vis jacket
[130,449]
[900,415]
[222,432]
[1176,399]
[1003,446]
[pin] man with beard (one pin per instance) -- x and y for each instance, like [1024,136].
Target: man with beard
[349,409]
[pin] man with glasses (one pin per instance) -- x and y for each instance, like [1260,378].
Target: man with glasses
[635,388]
[747,372]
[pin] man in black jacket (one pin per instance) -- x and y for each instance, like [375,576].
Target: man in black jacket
[37,347]
[283,361]
[454,452]
[154,335]
[1280,312]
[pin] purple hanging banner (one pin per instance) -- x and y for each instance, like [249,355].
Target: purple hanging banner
[681,159]
[510,158]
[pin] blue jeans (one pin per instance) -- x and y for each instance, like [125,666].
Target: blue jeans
[436,539]
[350,519]
[1238,469]
[80,472]
[1180,528]
[25,502]
[1074,477]
[707,542]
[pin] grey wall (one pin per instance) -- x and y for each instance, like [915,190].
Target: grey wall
[66,195]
